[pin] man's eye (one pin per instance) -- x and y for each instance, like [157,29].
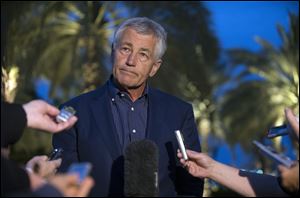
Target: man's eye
[144,57]
[125,49]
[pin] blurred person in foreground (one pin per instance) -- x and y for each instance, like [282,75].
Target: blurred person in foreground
[42,166]
[16,181]
[127,109]
[289,177]
[243,182]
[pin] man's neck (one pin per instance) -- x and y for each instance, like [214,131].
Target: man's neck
[134,93]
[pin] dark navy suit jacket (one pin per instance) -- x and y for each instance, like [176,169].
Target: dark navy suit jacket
[94,139]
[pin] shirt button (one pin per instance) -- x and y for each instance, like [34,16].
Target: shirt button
[122,95]
[133,131]
[132,109]
[113,99]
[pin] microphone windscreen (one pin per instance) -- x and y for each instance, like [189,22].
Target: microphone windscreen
[141,169]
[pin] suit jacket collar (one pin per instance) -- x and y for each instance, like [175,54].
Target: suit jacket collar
[155,112]
[102,113]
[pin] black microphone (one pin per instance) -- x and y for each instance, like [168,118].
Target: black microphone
[141,169]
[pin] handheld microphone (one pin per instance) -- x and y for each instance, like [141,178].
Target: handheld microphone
[141,169]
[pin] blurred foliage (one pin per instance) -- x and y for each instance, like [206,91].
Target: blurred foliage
[66,43]
[9,83]
[60,41]
[260,92]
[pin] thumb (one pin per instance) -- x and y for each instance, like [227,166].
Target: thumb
[85,187]
[51,110]
[281,168]
[43,157]
[57,162]
[71,179]
[192,154]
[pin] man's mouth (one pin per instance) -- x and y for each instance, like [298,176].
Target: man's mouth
[128,72]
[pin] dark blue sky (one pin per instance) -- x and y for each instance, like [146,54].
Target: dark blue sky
[237,23]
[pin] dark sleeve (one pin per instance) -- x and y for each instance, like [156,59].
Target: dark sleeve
[13,122]
[15,182]
[186,184]
[47,191]
[13,178]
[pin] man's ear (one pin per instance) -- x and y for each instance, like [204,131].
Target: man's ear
[155,67]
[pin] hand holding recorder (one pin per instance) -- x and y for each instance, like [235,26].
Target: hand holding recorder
[41,115]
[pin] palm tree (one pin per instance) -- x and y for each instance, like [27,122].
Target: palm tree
[259,94]
[78,38]
[65,42]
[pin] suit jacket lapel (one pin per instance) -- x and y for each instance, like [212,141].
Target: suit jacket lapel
[101,111]
[155,111]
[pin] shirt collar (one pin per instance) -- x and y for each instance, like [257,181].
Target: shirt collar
[114,90]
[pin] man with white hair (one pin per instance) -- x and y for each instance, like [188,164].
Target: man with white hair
[125,110]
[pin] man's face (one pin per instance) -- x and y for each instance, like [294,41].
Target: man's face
[134,60]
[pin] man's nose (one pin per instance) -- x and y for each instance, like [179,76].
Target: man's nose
[131,59]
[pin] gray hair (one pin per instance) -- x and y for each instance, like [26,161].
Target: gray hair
[146,26]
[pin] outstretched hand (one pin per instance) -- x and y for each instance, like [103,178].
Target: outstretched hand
[68,185]
[46,168]
[290,177]
[41,115]
[198,164]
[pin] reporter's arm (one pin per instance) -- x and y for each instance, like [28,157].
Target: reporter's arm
[13,178]
[35,114]
[229,177]
[201,165]
[13,122]
[40,115]
[242,182]
[246,183]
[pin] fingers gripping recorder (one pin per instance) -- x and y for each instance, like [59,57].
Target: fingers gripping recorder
[65,114]
[82,169]
[181,144]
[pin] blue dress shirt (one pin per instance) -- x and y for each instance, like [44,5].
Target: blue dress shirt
[130,118]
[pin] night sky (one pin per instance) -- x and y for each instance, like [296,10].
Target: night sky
[237,23]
